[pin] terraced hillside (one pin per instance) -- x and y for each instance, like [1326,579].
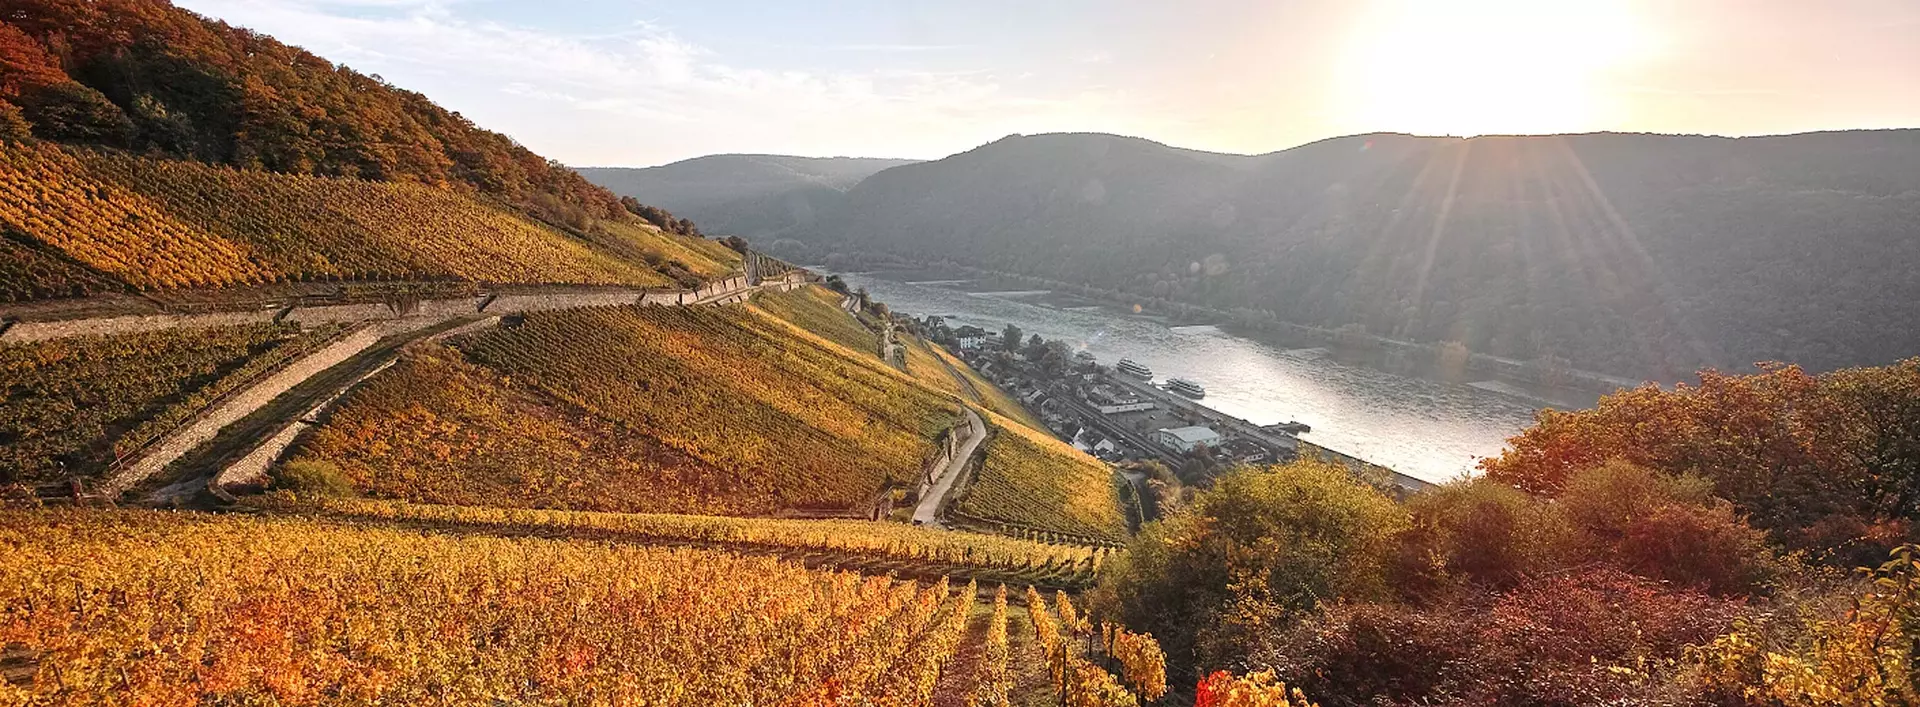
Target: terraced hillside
[817,310]
[1031,481]
[723,411]
[74,406]
[80,221]
[651,409]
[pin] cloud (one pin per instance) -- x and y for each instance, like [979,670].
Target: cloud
[640,93]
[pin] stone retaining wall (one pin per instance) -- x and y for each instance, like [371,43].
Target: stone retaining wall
[732,289]
[205,425]
[27,332]
[251,470]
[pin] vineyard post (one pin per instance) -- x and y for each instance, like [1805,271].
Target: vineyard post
[1060,669]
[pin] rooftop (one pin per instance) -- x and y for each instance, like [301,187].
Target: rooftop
[1193,434]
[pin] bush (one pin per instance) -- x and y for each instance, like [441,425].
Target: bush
[1789,449]
[13,124]
[1357,654]
[1475,532]
[308,476]
[1598,636]
[1245,559]
[1863,656]
[1663,527]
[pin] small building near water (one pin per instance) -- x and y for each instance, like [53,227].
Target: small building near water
[1185,439]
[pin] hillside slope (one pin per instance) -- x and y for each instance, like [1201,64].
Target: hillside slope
[1637,254]
[75,406]
[638,409]
[261,163]
[78,221]
[757,196]
[705,410]
[147,76]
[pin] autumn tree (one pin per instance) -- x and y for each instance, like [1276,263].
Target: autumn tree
[1800,454]
[1265,547]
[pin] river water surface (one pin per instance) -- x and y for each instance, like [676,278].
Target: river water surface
[1425,428]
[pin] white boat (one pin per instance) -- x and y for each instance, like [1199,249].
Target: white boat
[1187,388]
[1132,368]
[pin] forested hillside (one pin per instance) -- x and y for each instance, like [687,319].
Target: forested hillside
[258,163]
[756,196]
[146,76]
[1636,254]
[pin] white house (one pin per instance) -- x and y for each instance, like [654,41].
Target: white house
[1184,439]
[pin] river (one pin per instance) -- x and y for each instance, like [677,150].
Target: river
[1429,429]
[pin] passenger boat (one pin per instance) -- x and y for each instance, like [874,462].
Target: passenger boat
[1187,388]
[1132,368]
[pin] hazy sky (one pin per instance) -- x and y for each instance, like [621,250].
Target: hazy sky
[642,82]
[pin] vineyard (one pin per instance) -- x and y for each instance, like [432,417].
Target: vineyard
[1077,657]
[73,406]
[1032,482]
[153,223]
[222,610]
[991,395]
[817,310]
[638,409]
[873,548]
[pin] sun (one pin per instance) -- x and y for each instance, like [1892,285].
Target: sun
[1479,67]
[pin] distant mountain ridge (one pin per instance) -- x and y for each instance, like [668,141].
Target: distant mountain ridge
[757,196]
[1645,255]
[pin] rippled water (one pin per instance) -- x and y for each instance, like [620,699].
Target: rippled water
[1425,428]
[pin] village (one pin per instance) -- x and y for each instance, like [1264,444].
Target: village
[1117,413]
[1113,413]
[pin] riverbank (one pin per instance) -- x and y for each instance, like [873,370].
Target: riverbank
[1399,355]
[1431,429]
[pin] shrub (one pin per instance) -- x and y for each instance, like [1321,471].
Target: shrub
[1662,527]
[1862,658]
[1477,532]
[1359,653]
[1249,556]
[308,476]
[1598,636]
[1789,449]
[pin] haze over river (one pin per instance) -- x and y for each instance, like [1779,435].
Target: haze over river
[1424,428]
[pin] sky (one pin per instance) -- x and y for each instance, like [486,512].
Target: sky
[646,82]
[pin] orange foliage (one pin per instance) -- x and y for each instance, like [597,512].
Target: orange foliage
[1793,450]
[1223,689]
[156,223]
[653,409]
[134,608]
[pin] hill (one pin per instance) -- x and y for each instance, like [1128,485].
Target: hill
[757,196]
[147,76]
[640,410]
[78,221]
[1636,254]
[705,410]
[145,147]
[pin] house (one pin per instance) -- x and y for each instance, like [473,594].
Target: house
[1185,439]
